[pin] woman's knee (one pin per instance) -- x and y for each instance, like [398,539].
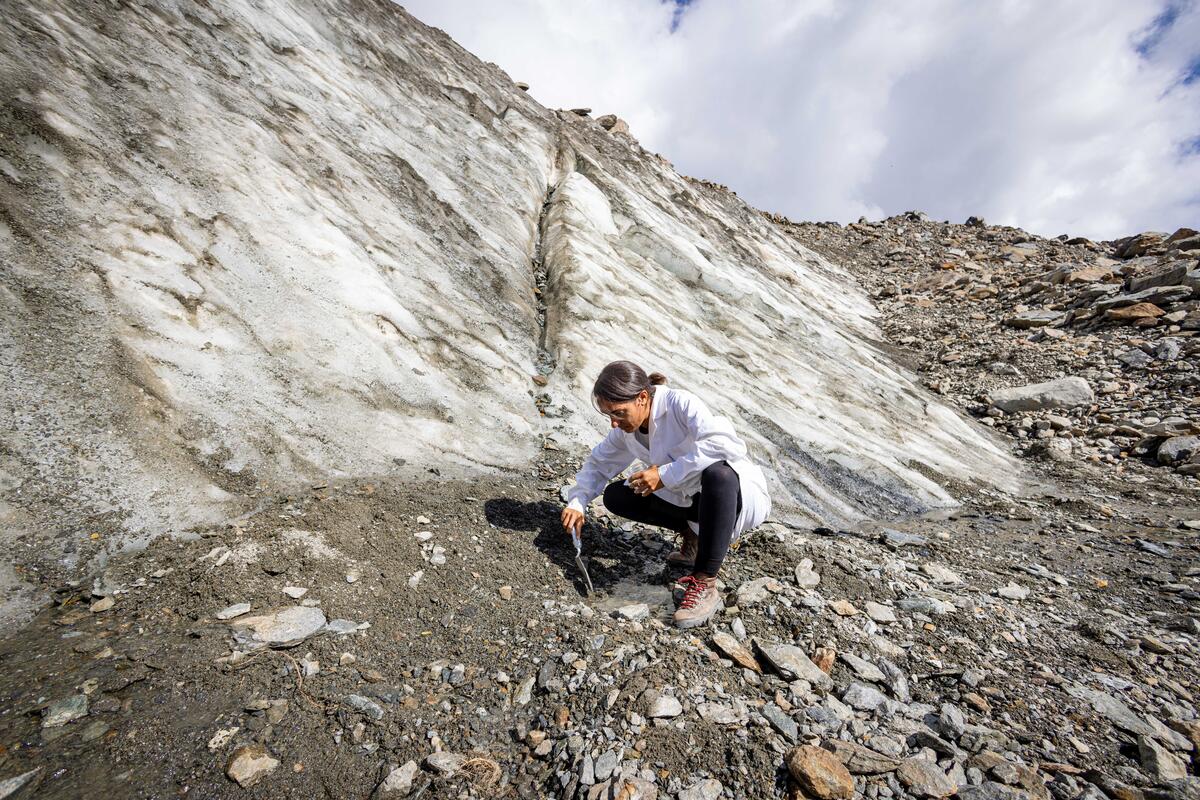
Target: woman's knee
[718,477]
[617,496]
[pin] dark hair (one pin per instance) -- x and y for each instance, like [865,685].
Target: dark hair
[621,381]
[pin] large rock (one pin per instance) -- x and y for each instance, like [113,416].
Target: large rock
[1159,762]
[1178,448]
[1061,393]
[820,773]
[315,249]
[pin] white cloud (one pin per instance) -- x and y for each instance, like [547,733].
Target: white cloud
[1058,117]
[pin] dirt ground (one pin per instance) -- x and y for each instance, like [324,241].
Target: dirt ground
[160,683]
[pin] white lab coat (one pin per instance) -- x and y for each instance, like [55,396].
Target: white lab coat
[685,438]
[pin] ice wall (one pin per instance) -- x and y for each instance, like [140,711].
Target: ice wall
[248,246]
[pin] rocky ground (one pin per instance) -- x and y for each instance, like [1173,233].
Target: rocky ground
[379,638]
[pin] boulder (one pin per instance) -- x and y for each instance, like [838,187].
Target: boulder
[1061,393]
[1178,449]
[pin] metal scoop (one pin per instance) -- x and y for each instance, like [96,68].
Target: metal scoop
[579,560]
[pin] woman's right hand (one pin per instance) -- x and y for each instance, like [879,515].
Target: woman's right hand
[572,520]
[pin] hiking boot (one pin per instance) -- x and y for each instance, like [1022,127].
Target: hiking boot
[700,601]
[685,556]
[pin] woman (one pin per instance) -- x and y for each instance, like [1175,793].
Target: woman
[700,484]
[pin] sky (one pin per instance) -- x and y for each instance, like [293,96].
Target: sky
[1058,116]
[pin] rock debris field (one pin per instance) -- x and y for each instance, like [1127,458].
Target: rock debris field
[400,639]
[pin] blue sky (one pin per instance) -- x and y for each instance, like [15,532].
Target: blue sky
[1080,118]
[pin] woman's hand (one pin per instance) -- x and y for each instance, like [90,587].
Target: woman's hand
[646,482]
[572,520]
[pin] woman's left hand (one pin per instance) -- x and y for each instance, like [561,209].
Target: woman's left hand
[646,482]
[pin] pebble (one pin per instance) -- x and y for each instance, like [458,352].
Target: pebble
[295,592]
[505,592]
[806,577]
[103,604]
[843,608]
[940,573]
[247,765]
[634,612]
[399,781]
[736,651]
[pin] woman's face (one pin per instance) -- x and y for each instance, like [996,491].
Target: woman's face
[628,416]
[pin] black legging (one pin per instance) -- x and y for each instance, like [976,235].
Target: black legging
[716,508]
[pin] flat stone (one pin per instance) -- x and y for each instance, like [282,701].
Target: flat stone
[880,613]
[843,608]
[757,590]
[736,651]
[399,781]
[606,763]
[1012,591]
[445,763]
[863,697]
[721,715]
[791,663]
[1111,708]
[235,610]
[940,573]
[861,760]
[781,722]
[664,706]
[365,705]
[862,668]
[1035,318]
[707,789]
[103,604]
[295,592]
[1061,393]
[820,773]
[247,765]
[284,628]
[925,778]
[634,612]
[10,785]
[1134,312]
[67,709]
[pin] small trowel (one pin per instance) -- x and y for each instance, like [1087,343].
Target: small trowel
[579,560]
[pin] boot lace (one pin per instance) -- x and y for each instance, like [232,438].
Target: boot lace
[693,588]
